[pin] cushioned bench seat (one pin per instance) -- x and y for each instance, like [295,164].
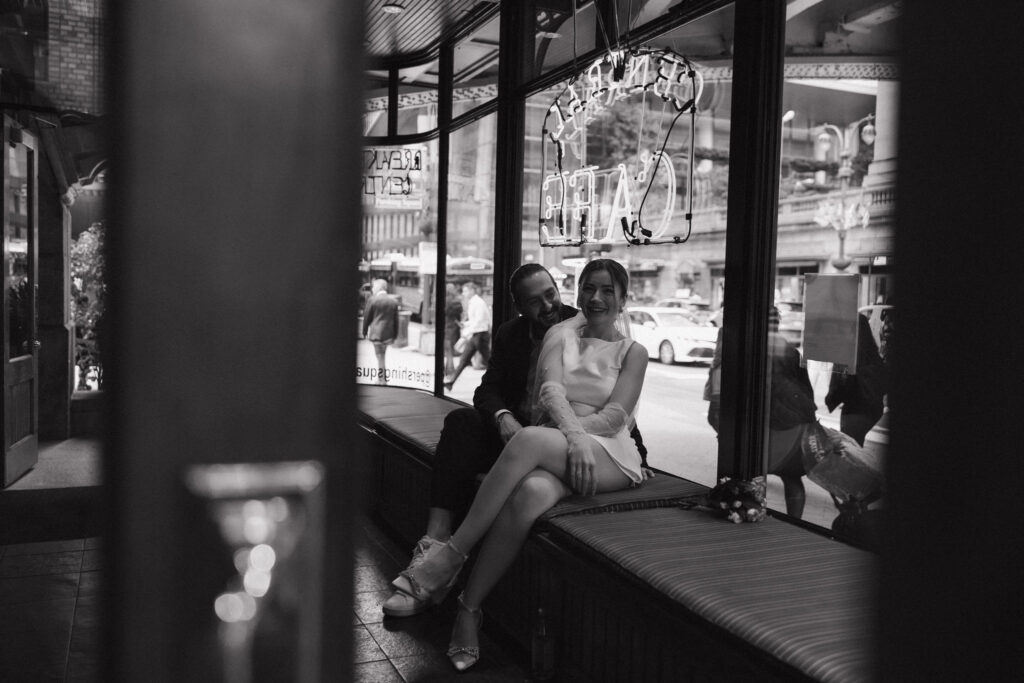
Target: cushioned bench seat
[640,585]
[409,417]
[660,491]
[797,596]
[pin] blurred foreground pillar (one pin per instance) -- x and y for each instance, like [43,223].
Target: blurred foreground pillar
[233,246]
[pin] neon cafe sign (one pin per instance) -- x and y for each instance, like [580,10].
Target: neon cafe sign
[591,204]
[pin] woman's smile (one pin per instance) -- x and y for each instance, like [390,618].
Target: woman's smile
[598,298]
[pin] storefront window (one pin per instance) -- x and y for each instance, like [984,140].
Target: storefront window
[563,35]
[375,104]
[475,73]
[832,321]
[398,251]
[417,99]
[639,162]
[470,255]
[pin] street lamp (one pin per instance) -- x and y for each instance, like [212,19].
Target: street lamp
[838,215]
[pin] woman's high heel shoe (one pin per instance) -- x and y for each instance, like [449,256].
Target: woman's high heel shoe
[464,656]
[431,580]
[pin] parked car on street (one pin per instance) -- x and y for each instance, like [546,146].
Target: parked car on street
[672,335]
[700,309]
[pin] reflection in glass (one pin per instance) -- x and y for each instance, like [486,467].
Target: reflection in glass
[399,247]
[475,64]
[417,94]
[375,104]
[835,231]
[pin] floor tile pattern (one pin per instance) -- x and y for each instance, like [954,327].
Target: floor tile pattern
[50,602]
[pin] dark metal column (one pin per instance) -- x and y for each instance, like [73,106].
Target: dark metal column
[516,41]
[750,235]
[445,88]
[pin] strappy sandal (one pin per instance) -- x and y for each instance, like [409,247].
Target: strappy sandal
[464,656]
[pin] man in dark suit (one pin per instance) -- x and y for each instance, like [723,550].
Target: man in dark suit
[472,438]
[380,325]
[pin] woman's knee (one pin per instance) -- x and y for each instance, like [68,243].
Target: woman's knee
[537,493]
[530,438]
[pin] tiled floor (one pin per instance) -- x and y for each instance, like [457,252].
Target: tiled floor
[412,648]
[49,611]
[50,592]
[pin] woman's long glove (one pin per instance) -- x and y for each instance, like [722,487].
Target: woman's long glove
[581,460]
[556,405]
[608,421]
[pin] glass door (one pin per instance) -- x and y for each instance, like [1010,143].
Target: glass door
[20,416]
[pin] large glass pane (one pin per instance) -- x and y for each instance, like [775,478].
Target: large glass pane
[399,253]
[475,74]
[562,33]
[16,235]
[417,99]
[834,288]
[470,256]
[566,29]
[627,156]
[375,104]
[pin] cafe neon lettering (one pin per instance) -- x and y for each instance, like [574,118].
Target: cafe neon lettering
[571,201]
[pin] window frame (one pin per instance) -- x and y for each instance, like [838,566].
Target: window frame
[753,178]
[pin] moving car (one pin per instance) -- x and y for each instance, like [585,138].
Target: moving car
[672,335]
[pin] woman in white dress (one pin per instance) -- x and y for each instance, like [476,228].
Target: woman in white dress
[588,380]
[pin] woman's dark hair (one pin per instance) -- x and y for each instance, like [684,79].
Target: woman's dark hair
[521,273]
[618,274]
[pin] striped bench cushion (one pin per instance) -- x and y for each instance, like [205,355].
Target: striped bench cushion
[411,417]
[663,490]
[798,596]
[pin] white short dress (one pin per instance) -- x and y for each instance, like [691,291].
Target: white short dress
[590,369]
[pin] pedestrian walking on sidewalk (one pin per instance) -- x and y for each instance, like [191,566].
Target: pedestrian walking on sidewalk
[380,325]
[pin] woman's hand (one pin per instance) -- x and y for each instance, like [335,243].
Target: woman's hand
[581,465]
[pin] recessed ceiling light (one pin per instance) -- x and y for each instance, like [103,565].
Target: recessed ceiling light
[393,8]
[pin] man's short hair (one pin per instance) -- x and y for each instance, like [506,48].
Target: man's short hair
[521,273]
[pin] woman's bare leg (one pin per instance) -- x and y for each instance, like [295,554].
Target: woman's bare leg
[536,494]
[531,448]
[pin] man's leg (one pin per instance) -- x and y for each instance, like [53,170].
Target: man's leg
[380,349]
[464,360]
[483,346]
[467,447]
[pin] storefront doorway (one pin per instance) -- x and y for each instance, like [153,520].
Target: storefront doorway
[20,360]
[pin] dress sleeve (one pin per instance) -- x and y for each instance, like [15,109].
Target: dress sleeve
[550,360]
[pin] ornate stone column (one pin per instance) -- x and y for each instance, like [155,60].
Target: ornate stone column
[882,170]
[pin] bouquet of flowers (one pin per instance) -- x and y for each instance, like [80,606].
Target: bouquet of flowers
[740,501]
